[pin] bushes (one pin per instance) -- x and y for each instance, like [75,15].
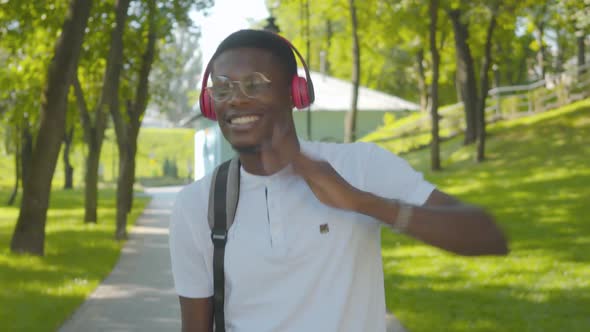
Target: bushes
[170,169]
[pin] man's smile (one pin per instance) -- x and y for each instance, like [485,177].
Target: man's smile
[243,121]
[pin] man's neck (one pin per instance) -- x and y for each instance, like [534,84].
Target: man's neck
[268,161]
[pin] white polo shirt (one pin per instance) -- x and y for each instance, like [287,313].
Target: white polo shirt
[291,262]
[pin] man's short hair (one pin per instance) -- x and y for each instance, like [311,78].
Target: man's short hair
[261,39]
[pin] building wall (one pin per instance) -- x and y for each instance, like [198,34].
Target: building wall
[329,125]
[326,126]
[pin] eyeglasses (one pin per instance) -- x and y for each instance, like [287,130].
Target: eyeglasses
[251,86]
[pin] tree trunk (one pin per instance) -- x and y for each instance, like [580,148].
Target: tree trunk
[562,39]
[14,192]
[131,181]
[91,184]
[17,167]
[523,71]
[465,74]
[93,137]
[127,132]
[581,54]
[329,35]
[435,140]
[124,182]
[484,84]
[94,132]
[26,153]
[541,53]
[29,233]
[350,123]
[23,160]
[422,86]
[68,168]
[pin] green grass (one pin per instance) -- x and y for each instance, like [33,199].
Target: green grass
[154,146]
[537,183]
[411,132]
[40,293]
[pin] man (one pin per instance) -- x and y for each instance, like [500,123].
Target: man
[304,251]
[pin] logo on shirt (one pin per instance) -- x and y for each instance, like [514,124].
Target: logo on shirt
[324,228]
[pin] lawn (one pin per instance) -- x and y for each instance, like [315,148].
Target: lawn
[537,183]
[155,145]
[39,293]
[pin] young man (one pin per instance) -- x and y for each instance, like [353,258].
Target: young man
[304,252]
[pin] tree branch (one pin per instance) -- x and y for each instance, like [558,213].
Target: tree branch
[82,109]
[141,93]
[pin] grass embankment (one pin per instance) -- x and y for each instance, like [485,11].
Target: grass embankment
[40,293]
[537,183]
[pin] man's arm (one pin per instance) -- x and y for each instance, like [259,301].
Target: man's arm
[196,314]
[442,221]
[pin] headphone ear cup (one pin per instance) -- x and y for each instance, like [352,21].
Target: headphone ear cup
[206,104]
[299,92]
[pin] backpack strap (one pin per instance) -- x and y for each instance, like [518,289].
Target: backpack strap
[223,202]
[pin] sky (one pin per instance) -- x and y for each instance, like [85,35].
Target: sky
[226,17]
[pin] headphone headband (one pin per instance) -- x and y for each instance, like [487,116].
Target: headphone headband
[206,103]
[307,76]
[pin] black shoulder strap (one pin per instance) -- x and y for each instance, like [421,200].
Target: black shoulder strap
[223,201]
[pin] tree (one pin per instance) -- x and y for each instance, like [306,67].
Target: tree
[94,126]
[25,53]
[466,83]
[484,81]
[68,168]
[350,123]
[176,74]
[127,130]
[29,233]
[156,19]
[435,140]
[540,15]
[576,18]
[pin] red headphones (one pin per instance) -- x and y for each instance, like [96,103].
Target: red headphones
[301,88]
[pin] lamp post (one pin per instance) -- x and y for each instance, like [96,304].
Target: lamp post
[271,25]
[270,21]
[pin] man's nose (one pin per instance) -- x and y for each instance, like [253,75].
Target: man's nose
[237,96]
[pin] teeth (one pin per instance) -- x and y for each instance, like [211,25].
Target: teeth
[244,119]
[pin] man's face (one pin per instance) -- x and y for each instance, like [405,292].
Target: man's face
[247,122]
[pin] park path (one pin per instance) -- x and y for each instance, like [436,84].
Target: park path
[138,295]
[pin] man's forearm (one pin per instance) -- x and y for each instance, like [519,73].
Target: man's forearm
[461,229]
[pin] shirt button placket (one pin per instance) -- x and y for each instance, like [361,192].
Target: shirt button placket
[275,220]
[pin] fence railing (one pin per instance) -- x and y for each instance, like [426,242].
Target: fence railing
[508,102]
[554,91]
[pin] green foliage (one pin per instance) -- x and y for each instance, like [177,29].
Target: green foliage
[536,182]
[154,146]
[510,105]
[413,131]
[40,293]
[176,75]
[169,168]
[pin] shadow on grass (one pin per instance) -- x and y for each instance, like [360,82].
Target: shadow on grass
[536,182]
[452,306]
[38,293]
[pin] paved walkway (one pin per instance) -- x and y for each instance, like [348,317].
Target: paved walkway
[138,295]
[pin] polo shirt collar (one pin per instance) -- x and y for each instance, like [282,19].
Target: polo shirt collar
[248,180]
